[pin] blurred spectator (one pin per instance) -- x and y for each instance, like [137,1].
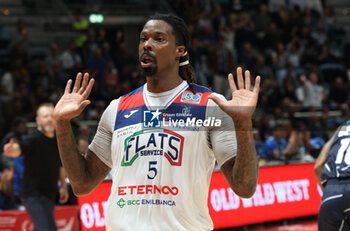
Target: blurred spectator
[228,34]
[82,144]
[276,5]
[325,56]
[288,90]
[319,35]
[300,144]
[339,93]
[275,147]
[90,45]
[265,71]
[21,35]
[102,36]
[111,74]
[218,18]
[11,168]
[54,56]
[295,50]
[310,93]
[262,20]
[279,61]
[248,56]
[314,125]
[271,37]
[18,130]
[80,25]
[98,63]
[84,132]
[220,63]
[245,33]
[71,59]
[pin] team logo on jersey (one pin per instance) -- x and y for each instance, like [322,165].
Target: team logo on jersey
[151,119]
[189,97]
[153,143]
[121,203]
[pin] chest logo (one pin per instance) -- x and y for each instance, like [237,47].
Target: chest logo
[153,143]
[131,113]
[189,97]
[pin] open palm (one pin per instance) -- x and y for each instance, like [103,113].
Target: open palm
[244,100]
[72,103]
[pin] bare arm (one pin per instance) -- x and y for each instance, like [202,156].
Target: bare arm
[242,171]
[63,190]
[84,172]
[323,157]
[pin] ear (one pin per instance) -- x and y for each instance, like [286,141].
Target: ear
[180,50]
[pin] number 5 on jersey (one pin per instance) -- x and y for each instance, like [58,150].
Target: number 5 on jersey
[152,170]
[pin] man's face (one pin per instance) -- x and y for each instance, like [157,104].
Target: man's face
[157,47]
[44,119]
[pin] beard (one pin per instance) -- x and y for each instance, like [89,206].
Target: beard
[48,128]
[150,71]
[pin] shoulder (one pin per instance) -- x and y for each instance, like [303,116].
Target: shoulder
[200,89]
[134,92]
[131,99]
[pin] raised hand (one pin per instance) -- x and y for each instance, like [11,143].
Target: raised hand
[244,100]
[73,102]
[12,149]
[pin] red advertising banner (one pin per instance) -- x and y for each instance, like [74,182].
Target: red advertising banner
[283,192]
[18,220]
[92,207]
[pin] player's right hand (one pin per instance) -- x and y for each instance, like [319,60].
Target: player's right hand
[73,102]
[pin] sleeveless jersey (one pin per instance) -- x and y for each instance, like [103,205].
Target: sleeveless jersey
[162,159]
[338,163]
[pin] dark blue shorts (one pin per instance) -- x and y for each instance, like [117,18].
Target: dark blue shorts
[334,211]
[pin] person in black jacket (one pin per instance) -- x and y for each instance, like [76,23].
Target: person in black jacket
[42,170]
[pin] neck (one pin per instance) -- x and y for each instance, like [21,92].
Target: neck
[47,134]
[161,83]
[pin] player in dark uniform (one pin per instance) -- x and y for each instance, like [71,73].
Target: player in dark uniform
[332,169]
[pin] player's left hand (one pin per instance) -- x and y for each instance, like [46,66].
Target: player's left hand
[64,195]
[244,100]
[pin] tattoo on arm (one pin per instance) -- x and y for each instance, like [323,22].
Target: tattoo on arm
[242,172]
[85,172]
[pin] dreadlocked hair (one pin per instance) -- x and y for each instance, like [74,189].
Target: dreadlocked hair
[182,37]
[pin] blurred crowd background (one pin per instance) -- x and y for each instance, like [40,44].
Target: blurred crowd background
[298,47]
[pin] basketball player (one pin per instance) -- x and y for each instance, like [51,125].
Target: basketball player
[161,163]
[332,169]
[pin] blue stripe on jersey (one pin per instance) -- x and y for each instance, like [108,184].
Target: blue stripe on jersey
[199,88]
[135,115]
[129,117]
[175,111]
[338,163]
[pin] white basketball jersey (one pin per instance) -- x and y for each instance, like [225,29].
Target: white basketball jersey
[162,157]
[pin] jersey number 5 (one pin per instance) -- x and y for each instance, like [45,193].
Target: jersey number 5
[152,168]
